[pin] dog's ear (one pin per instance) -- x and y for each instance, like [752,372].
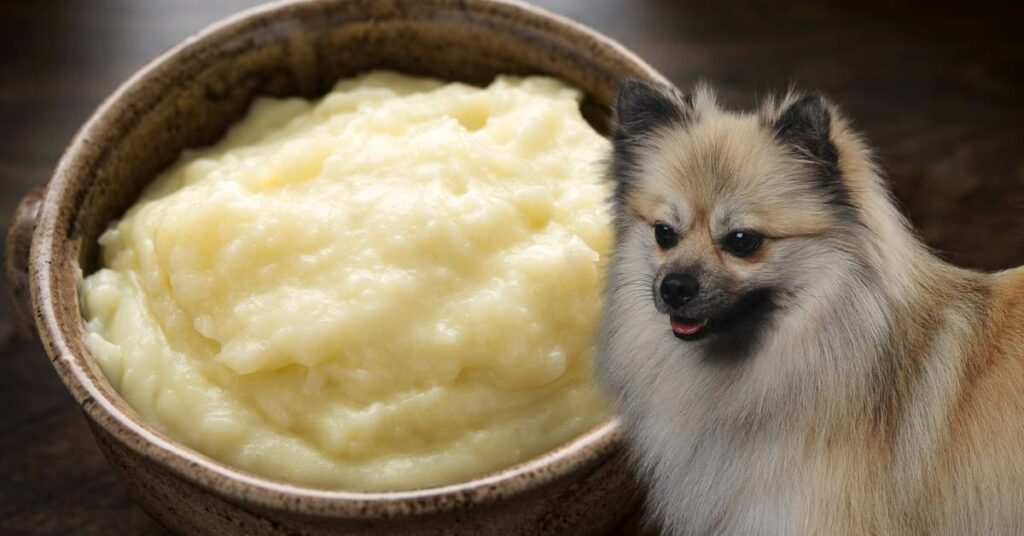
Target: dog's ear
[806,124]
[641,107]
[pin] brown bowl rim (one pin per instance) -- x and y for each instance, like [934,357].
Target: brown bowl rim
[104,406]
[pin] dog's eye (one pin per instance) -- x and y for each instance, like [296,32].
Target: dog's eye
[665,236]
[742,243]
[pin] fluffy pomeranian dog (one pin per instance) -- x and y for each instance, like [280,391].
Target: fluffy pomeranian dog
[787,356]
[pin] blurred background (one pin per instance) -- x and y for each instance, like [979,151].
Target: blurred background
[938,91]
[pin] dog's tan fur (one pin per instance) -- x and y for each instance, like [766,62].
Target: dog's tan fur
[887,396]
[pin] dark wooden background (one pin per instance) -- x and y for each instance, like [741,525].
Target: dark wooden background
[939,92]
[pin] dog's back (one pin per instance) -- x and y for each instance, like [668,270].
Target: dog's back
[979,482]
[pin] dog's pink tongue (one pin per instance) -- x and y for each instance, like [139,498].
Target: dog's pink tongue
[687,327]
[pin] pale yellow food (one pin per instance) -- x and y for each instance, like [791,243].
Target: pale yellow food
[392,287]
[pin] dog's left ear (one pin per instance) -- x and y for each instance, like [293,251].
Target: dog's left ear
[806,124]
[641,107]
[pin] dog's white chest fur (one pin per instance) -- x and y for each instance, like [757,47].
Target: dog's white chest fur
[709,476]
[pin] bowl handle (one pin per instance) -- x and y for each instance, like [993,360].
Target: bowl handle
[16,257]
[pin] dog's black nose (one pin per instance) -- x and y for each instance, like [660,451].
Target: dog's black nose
[677,289]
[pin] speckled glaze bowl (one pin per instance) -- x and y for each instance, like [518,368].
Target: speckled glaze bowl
[188,97]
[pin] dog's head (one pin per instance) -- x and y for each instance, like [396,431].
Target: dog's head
[727,219]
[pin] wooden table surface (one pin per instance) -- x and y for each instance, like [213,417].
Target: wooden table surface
[939,92]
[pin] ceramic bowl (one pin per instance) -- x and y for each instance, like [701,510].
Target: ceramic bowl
[188,97]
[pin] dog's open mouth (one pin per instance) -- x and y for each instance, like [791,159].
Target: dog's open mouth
[686,328]
[742,319]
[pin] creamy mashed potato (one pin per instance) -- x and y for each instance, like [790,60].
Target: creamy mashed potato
[392,287]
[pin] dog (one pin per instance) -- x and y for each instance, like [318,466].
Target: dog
[786,355]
